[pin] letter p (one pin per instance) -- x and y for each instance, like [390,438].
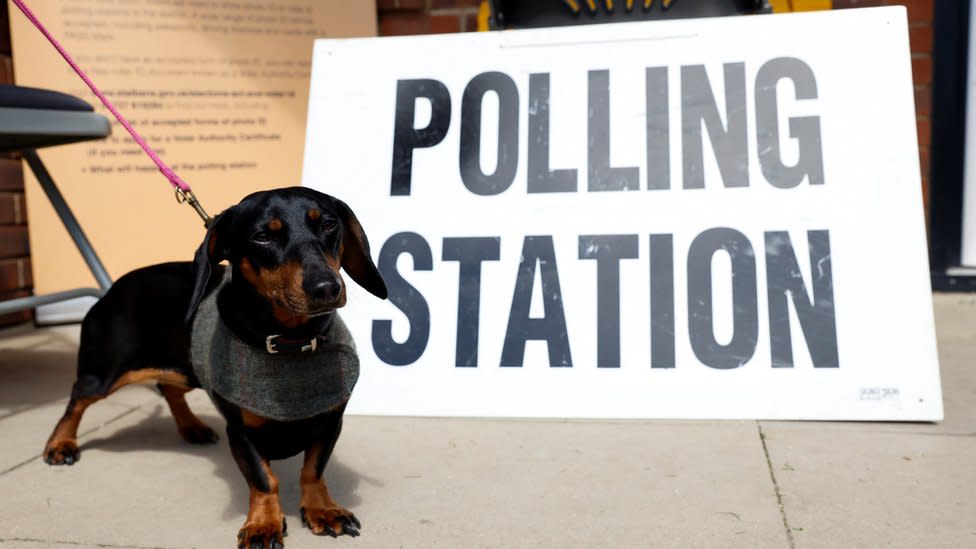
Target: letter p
[406,137]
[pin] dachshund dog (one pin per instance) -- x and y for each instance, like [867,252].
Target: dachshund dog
[261,335]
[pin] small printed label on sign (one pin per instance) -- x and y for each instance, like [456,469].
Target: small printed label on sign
[880,393]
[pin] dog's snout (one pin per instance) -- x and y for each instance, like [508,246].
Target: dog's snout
[325,290]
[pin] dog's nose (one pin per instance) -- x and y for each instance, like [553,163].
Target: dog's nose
[325,290]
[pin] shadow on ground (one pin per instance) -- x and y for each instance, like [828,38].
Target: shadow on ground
[156,432]
[34,378]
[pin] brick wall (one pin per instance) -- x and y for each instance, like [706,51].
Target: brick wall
[921,14]
[15,266]
[399,17]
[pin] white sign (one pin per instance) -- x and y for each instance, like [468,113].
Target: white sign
[713,218]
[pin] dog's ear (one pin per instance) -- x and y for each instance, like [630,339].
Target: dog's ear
[356,259]
[212,251]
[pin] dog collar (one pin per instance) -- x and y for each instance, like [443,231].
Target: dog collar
[280,386]
[277,343]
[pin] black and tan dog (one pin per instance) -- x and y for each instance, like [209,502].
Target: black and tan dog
[285,249]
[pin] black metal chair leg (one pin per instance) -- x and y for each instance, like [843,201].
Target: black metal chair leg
[68,218]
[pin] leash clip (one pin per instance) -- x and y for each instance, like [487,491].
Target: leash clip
[188,197]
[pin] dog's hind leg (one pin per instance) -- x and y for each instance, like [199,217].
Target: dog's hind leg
[62,446]
[189,425]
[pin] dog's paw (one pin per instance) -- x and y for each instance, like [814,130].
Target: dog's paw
[199,434]
[61,452]
[333,522]
[255,535]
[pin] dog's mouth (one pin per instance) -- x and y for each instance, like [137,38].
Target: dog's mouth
[320,311]
[299,305]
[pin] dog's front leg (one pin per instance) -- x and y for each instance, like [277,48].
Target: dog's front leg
[320,513]
[265,526]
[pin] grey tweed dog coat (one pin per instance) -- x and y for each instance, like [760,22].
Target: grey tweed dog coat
[282,387]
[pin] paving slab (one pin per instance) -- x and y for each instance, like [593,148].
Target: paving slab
[21,543]
[862,484]
[419,483]
[875,489]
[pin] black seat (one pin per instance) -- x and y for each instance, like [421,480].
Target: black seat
[31,118]
[23,97]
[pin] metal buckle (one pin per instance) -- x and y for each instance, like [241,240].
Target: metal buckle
[189,198]
[269,344]
[272,349]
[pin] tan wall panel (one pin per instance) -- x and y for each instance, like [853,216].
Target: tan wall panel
[165,61]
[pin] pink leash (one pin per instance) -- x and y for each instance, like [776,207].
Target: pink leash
[183,192]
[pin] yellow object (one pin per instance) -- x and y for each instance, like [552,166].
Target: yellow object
[780,6]
[484,14]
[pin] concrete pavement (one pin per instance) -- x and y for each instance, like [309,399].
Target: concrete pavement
[419,483]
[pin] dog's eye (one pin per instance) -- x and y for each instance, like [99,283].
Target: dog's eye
[329,225]
[261,237]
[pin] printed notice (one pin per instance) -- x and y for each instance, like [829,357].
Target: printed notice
[219,89]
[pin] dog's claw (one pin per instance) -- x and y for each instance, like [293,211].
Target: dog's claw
[273,544]
[350,525]
[261,537]
[351,530]
[332,522]
[62,453]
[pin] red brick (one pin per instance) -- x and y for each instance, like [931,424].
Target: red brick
[924,132]
[922,69]
[8,209]
[842,4]
[6,69]
[11,175]
[920,36]
[440,4]
[923,159]
[12,209]
[470,22]
[440,24]
[15,274]
[923,101]
[18,317]
[920,10]
[403,24]
[13,241]
[394,5]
